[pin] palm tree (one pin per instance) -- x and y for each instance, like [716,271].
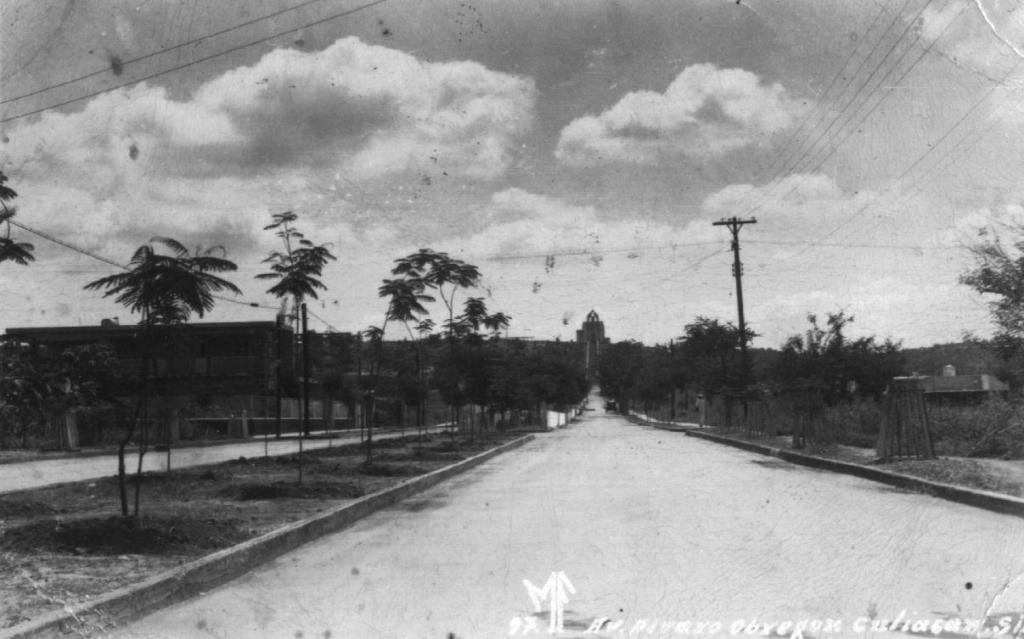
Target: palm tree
[165,290]
[10,250]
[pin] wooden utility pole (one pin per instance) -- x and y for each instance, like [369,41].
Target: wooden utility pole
[672,365]
[305,371]
[735,224]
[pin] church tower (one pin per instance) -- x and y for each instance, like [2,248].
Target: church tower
[591,336]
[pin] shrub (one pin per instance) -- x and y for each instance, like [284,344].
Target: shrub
[855,423]
[992,429]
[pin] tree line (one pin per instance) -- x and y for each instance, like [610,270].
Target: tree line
[467,363]
[705,360]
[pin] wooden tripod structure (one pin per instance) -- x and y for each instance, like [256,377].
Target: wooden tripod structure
[906,430]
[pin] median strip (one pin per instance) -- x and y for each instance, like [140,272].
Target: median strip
[220,567]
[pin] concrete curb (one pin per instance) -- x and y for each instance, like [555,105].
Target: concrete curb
[218,568]
[1003,504]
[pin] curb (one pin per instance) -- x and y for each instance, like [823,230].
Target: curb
[1003,504]
[218,568]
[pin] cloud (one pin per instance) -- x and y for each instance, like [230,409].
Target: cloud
[705,112]
[370,111]
[518,222]
[279,134]
[367,111]
[791,191]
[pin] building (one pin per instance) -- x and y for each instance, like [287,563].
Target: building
[592,337]
[211,359]
[951,388]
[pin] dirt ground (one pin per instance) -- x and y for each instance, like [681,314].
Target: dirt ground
[66,544]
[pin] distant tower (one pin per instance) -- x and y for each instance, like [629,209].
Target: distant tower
[592,337]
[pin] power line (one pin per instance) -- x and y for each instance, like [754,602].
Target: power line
[811,154]
[125,267]
[930,148]
[920,183]
[66,244]
[779,156]
[325,322]
[800,151]
[125,63]
[586,252]
[838,245]
[865,116]
[95,256]
[195,62]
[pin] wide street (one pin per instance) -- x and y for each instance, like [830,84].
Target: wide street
[659,533]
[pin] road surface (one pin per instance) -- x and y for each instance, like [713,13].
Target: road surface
[34,474]
[653,531]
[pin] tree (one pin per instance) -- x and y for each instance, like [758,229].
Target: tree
[165,290]
[11,250]
[823,360]
[42,382]
[429,270]
[299,266]
[706,352]
[618,371]
[999,274]
[406,298]
[655,383]
[297,270]
[442,273]
[26,389]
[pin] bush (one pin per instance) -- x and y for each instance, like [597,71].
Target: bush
[855,423]
[994,428]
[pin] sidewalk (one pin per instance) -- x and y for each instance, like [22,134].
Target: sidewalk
[68,467]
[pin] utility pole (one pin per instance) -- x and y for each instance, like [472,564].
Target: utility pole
[735,224]
[672,365]
[305,372]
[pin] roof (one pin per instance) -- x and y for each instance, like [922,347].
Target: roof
[960,384]
[76,333]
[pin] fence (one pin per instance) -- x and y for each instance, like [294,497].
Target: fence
[800,412]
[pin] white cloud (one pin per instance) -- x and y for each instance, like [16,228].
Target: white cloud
[793,190]
[371,111]
[276,135]
[518,222]
[706,111]
[365,110]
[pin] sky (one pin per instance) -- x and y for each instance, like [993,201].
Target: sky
[577,152]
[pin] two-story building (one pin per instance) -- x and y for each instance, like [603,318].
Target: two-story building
[223,358]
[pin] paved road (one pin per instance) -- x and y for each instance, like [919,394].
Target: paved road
[651,529]
[25,475]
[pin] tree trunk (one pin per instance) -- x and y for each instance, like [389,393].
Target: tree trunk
[122,477]
[371,417]
[143,447]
